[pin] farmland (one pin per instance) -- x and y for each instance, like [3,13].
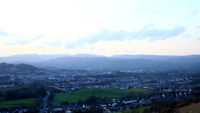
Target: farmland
[4,89]
[83,94]
[20,102]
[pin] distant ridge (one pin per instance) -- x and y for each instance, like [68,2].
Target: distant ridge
[147,57]
[112,63]
[25,58]
[6,66]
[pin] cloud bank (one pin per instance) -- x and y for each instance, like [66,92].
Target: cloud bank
[146,32]
[37,37]
[17,41]
[55,43]
[3,33]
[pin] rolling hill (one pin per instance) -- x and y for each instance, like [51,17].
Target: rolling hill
[112,63]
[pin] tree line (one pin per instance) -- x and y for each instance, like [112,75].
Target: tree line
[23,93]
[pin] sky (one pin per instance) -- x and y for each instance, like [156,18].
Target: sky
[102,27]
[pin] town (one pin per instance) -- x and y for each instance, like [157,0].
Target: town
[172,85]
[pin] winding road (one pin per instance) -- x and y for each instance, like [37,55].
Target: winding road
[45,103]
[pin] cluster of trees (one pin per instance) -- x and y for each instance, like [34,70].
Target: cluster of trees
[31,109]
[66,103]
[89,101]
[50,98]
[22,93]
[2,95]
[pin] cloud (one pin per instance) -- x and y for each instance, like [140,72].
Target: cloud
[75,45]
[3,33]
[195,13]
[149,31]
[104,35]
[187,36]
[146,32]
[37,37]
[104,49]
[199,38]
[91,48]
[17,41]
[129,50]
[5,53]
[198,26]
[55,43]
[40,46]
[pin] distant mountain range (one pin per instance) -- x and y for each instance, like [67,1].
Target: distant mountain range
[100,62]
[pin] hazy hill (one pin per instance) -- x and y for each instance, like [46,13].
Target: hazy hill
[147,57]
[29,58]
[115,62]
[98,63]
[6,66]
[105,63]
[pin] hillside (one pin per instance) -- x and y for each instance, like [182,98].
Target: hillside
[102,63]
[8,67]
[24,58]
[112,64]
[191,108]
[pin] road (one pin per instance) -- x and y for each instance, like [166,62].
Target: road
[45,103]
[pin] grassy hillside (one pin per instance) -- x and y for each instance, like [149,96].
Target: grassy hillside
[83,94]
[191,108]
[21,102]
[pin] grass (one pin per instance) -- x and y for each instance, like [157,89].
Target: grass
[196,85]
[4,89]
[194,107]
[83,94]
[20,102]
[137,110]
[58,97]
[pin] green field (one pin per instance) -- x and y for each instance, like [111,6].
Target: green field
[4,89]
[21,102]
[83,94]
[196,85]
[137,110]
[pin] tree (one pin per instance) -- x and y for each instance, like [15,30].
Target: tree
[73,103]
[80,102]
[64,103]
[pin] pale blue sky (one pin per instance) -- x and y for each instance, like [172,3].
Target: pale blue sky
[104,27]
